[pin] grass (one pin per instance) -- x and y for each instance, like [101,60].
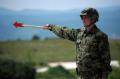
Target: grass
[61,73]
[115,74]
[57,73]
[43,51]
[115,49]
[39,53]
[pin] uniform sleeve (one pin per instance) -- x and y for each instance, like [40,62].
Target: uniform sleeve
[64,32]
[105,53]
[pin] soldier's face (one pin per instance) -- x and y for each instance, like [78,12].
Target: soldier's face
[86,21]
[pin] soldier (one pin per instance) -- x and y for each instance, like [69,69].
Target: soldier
[92,46]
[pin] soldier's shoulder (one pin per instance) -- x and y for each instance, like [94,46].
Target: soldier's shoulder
[79,29]
[101,34]
[82,29]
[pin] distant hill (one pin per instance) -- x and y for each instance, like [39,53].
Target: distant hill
[109,22]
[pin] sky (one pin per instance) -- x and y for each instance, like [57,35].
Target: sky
[56,4]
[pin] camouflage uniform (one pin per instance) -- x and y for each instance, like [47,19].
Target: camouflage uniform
[92,48]
[92,51]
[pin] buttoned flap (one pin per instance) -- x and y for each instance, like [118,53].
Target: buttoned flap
[92,45]
[91,41]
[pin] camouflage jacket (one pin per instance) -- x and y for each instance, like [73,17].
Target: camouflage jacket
[92,48]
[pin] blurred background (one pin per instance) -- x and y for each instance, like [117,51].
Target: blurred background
[43,50]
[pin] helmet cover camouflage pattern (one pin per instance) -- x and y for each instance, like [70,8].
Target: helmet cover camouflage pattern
[91,12]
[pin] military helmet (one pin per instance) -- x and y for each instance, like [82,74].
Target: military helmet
[91,12]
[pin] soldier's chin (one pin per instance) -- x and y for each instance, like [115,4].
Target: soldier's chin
[86,25]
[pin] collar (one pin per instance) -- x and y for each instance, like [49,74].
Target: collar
[91,29]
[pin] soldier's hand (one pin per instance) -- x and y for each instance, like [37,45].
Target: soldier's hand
[48,27]
[45,26]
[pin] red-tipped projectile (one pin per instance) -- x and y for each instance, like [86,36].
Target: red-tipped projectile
[17,24]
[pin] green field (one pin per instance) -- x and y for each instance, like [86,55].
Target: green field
[43,51]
